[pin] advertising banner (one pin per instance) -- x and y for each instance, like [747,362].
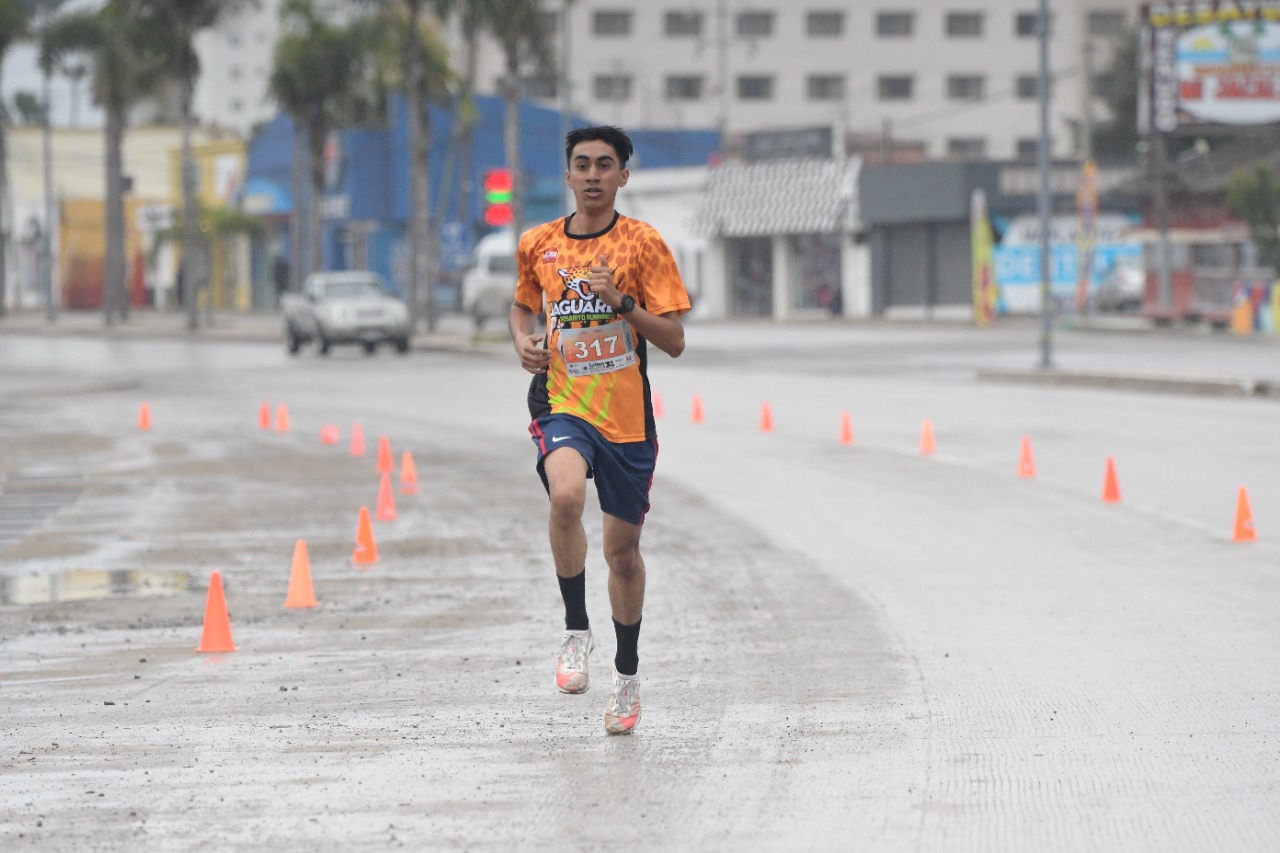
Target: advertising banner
[1213,64]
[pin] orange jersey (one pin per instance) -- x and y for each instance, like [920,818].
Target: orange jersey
[598,367]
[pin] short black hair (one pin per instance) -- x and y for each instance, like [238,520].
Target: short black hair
[615,137]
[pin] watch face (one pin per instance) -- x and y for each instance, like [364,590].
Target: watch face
[628,303]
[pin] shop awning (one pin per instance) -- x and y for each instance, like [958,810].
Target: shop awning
[780,197]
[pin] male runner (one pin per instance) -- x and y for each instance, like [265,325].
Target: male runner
[611,287]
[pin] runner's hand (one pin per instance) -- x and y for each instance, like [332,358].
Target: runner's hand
[534,357]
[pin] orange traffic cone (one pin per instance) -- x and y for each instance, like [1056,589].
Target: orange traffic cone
[301,592]
[927,442]
[1026,463]
[217,623]
[1244,519]
[329,434]
[144,415]
[657,405]
[1111,487]
[264,415]
[357,439]
[386,510]
[697,409]
[766,418]
[282,418]
[385,465]
[846,428]
[366,552]
[408,475]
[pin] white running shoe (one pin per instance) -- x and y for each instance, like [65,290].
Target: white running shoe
[623,710]
[571,664]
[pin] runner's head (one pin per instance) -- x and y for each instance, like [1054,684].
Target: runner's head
[614,137]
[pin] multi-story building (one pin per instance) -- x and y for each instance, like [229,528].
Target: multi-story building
[949,78]
[959,77]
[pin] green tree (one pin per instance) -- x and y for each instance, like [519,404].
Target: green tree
[29,106]
[315,72]
[425,73]
[1255,198]
[180,21]
[128,63]
[520,29]
[15,21]
[1116,139]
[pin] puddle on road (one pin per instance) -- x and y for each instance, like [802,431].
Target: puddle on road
[91,585]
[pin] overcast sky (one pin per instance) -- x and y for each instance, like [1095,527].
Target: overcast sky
[22,74]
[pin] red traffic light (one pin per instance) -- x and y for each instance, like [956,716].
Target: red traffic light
[498,215]
[498,185]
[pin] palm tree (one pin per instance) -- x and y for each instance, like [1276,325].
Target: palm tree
[425,70]
[520,28]
[315,71]
[182,21]
[126,65]
[15,18]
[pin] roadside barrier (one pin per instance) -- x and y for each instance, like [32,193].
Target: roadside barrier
[1110,485]
[408,475]
[366,553]
[386,507]
[385,464]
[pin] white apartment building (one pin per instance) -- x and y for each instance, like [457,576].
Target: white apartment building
[235,65]
[957,77]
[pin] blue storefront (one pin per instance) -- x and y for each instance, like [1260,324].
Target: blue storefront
[365,209]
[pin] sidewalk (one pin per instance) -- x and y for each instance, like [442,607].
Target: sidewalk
[453,331]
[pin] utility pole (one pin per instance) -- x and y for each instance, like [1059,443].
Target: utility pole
[566,96]
[722,60]
[1046,298]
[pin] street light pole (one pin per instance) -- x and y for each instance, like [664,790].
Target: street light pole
[566,97]
[1046,299]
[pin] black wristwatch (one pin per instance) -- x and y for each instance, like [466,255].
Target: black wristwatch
[627,305]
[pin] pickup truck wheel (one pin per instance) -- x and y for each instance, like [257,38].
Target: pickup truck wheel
[369,347]
[402,345]
[324,345]
[293,342]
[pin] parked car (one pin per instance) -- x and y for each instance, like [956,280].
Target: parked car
[1123,287]
[345,308]
[489,286]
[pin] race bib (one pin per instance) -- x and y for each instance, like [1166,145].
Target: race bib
[598,349]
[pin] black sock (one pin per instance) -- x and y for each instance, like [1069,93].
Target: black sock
[626,661]
[574,592]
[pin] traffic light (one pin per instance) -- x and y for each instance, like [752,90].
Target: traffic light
[499,195]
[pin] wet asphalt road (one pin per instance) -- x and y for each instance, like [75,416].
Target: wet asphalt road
[845,646]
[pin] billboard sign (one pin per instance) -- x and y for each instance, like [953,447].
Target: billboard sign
[1213,64]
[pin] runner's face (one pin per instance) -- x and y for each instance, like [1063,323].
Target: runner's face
[595,175]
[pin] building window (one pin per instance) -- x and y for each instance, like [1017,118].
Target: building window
[1028,149]
[755,24]
[684,88]
[966,148]
[964,25]
[895,24]
[682,24]
[1106,23]
[895,87]
[965,87]
[1026,24]
[755,88]
[825,87]
[611,23]
[824,24]
[1027,87]
[612,87]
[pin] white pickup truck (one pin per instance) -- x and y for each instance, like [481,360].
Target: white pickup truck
[345,308]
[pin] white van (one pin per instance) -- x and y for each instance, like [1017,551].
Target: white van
[489,287]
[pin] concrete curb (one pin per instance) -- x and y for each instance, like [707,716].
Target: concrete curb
[1217,386]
